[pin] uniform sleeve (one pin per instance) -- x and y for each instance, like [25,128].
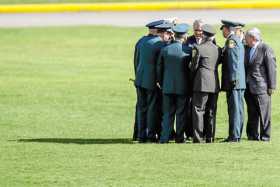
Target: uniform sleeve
[160,67]
[160,46]
[271,67]
[136,58]
[220,55]
[233,60]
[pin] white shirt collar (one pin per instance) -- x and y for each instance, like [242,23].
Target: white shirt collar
[256,45]
[198,40]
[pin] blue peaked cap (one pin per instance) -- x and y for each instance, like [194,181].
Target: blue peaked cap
[181,28]
[154,23]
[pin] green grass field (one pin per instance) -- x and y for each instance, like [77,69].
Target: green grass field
[67,109]
[91,1]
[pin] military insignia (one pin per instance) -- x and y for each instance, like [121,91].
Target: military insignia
[194,52]
[231,44]
[195,58]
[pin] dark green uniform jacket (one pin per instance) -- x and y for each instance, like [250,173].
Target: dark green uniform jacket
[172,68]
[233,68]
[136,52]
[146,56]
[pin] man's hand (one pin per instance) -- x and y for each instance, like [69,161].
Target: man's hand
[233,84]
[270,92]
[158,85]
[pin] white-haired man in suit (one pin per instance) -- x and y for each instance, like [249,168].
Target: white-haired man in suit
[260,63]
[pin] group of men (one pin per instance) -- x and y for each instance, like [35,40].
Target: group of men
[176,79]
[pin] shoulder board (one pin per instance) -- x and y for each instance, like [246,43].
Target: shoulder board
[231,43]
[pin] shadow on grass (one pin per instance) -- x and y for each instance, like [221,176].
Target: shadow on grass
[93,141]
[78,141]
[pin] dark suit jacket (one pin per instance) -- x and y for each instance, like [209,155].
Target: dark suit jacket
[172,68]
[146,54]
[205,65]
[261,69]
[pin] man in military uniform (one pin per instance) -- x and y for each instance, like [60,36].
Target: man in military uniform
[146,53]
[152,31]
[260,63]
[166,33]
[204,65]
[172,76]
[233,79]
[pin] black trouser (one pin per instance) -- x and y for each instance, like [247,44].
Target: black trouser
[135,129]
[188,125]
[204,115]
[158,112]
[173,104]
[259,116]
[146,114]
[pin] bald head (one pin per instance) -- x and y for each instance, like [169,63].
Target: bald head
[197,28]
[198,23]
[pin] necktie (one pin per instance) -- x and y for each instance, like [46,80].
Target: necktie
[252,51]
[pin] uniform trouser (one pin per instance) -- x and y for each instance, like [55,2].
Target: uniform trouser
[146,114]
[159,116]
[188,125]
[204,115]
[173,104]
[158,112]
[259,116]
[135,129]
[235,104]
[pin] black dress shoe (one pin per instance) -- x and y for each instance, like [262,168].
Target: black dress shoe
[250,138]
[179,141]
[235,140]
[197,141]
[152,140]
[265,139]
[209,140]
[231,140]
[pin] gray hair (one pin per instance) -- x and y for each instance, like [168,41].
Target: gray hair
[198,22]
[255,33]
